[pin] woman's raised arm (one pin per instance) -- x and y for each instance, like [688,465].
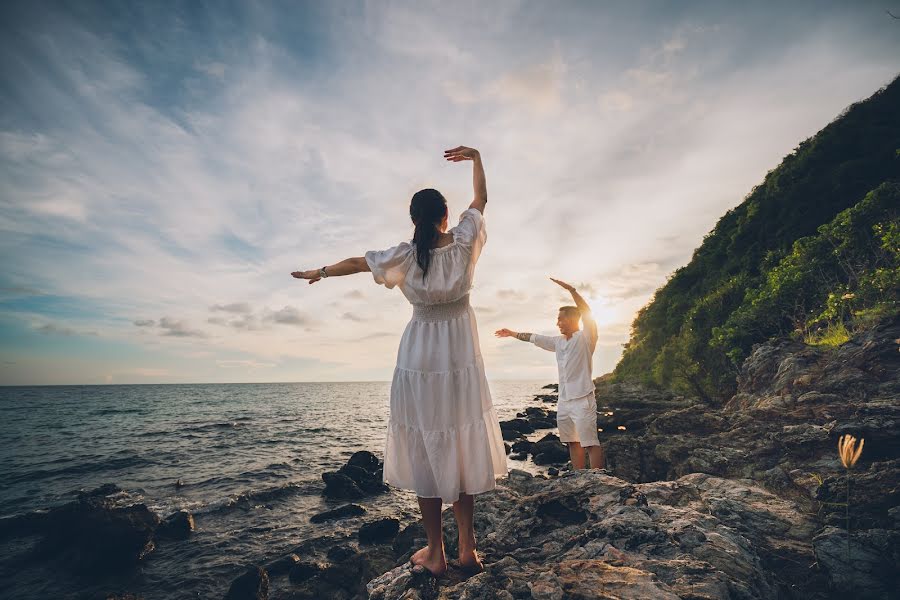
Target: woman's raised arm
[348,266]
[478,180]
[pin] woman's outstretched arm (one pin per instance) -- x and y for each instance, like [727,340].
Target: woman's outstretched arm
[478,180]
[348,266]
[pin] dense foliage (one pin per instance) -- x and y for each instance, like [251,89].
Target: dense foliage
[809,252]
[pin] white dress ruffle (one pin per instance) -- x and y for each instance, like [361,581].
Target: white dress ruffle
[443,436]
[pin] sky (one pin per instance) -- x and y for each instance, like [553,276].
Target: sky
[165,166]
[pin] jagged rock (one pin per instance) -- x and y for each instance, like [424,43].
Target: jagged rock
[252,585]
[178,525]
[381,531]
[873,567]
[341,512]
[586,534]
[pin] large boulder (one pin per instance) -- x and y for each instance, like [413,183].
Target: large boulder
[252,585]
[589,535]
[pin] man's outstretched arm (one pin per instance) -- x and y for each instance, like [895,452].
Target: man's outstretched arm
[541,341]
[590,325]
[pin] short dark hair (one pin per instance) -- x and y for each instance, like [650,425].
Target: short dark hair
[570,311]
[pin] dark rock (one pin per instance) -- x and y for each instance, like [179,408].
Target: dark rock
[304,570]
[550,451]
[365,460]
[282,565]
[871,571]
[252,585]
[340,553]
[367,482]
[510,434]
[409,540]
[551,386]
[518,456]
[178,525]
[381,531]
[520,425]
[341,512]
[553,471]
[339,486]
[99,536]
[523,446]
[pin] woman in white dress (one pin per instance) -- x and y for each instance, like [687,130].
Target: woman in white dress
[443,439]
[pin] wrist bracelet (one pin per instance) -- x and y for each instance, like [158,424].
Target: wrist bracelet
[322,272]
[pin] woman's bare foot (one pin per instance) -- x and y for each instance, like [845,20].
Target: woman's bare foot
[434,561]
[469,561]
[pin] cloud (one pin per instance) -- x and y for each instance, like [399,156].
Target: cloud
[174,168]
[349,316]
[54,329]
[289,316]
[236,308]
[176,328]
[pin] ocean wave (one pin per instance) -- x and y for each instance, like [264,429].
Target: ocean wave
[254,497]
[107,464]
[213,426]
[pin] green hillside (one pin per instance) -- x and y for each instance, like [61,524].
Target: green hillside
[811,252]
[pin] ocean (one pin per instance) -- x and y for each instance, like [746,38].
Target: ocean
[249,456]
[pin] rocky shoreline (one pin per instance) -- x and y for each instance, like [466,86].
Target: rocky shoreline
[742,500]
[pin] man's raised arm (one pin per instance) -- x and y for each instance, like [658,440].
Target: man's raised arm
[590,325]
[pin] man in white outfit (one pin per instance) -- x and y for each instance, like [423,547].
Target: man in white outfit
[576,411]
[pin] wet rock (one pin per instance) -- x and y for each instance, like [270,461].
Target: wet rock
[305,570]
[381,531]
[339,486]
[282,565]
[342,512]
[520,425]
[252,585]
[361,476]
[510,435]
[97,535]
[550,451]
[179,525]
[364,460]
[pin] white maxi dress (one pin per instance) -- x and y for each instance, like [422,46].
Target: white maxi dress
[443,436]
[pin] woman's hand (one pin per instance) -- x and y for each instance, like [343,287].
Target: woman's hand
[461,153]
[504,333]
[312,275]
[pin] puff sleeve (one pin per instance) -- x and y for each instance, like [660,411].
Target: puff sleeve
[470,233]
[389,266]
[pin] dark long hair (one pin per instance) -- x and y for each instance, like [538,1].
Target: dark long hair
[427,209]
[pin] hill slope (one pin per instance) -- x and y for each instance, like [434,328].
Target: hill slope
[810,251]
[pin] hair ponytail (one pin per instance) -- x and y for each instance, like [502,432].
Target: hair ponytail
[427,209]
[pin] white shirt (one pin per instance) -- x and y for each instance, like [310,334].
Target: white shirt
[574,360]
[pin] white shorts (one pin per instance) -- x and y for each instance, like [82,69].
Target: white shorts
[577,420]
